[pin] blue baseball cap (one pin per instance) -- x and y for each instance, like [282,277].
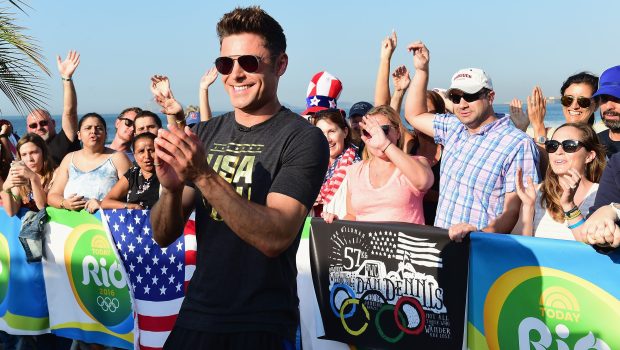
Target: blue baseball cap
[609,83]
[192,118]
[360,108]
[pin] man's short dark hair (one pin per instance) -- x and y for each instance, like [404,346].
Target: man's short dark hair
[130,109]
[144,114]
[253,20]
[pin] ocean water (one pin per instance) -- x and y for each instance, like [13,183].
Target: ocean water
[554,117]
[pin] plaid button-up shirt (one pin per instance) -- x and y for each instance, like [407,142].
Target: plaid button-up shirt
[477,170]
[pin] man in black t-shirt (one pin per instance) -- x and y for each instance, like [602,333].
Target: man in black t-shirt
[40,122]
[256,173]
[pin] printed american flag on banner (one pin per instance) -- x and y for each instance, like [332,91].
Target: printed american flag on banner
[158,276]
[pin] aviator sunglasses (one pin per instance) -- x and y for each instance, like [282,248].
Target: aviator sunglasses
[569,146]
[42,123]
[128,122]
[583,102]
[248,63]
[456,99]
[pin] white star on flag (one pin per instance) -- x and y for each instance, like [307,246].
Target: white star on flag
[147,289]
[136,219]
[155,279]
[314,101]
[131,247]
[332,103]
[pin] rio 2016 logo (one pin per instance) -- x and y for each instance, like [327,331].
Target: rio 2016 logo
[96,278]
[544,308]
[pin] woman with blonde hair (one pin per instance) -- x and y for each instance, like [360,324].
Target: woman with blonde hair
[558,206]
[388,185]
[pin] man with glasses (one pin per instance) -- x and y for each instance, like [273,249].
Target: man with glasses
[40,122]
[124,131]
[482,152]
[608,98]
[256,172]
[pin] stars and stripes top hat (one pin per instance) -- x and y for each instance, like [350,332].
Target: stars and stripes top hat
[323,92]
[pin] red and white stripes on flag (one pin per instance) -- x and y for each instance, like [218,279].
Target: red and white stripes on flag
[158,276]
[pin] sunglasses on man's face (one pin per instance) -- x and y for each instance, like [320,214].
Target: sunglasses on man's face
[456,98]
[41,123]
[128,122]
[583,102]
[248,63]
[569,146]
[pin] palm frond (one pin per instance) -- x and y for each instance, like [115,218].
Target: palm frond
[21,62]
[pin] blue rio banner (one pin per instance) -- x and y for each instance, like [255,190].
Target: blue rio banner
[536,293]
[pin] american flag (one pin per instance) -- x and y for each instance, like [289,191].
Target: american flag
[158,276]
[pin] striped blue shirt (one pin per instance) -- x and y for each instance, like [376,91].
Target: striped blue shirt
[477,170]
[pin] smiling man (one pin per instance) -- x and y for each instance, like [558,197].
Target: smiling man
[256,172]
[482,151]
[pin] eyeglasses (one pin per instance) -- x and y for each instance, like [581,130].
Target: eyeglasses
[456,99]
[41,123]
[386,129]
[248,63]
[128,122]
[569,146]
[583,102]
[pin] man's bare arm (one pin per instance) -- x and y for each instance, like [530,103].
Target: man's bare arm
[66,69]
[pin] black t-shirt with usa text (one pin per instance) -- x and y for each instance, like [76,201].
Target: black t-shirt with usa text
[235,287]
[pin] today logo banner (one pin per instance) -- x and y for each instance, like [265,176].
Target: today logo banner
[534,293]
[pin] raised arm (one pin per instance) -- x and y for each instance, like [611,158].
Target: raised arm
[415,105]
[160,87]
[207,79]
[382,85]
[528,203]
[401,84]
[66,69]
[416,169]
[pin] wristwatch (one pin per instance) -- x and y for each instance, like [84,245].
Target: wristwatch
[540,139]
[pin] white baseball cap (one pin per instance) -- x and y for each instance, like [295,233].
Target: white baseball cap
[470,81]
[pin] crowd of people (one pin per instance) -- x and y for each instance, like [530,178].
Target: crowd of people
[254,174]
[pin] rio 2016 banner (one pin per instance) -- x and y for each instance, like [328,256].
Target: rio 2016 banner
[536,293]
[85,281]
[389,285]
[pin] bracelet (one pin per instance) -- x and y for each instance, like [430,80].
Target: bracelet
[567,213]
[62,204]
[4,135]
[180,121]
[386,147]
[577,224]
[66,79]
[573,215]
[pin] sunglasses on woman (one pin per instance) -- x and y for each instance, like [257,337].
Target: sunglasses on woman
[41,123]
[248,63]
[583,102]
[456,98]
[128,122]
[569,146]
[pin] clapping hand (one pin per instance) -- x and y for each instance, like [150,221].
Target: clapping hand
[160,87]
[569,183]
[536,107]
[526,194]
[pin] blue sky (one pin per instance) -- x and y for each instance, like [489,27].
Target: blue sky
[123,43]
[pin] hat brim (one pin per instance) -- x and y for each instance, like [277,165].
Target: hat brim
[464,89]
[313,109]
[608,90]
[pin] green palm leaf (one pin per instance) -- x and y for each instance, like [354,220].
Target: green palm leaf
[21,62]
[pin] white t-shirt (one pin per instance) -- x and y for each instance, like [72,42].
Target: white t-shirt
[546,227]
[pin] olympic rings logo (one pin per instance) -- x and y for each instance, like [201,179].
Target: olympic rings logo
[407,314]
[108,304]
